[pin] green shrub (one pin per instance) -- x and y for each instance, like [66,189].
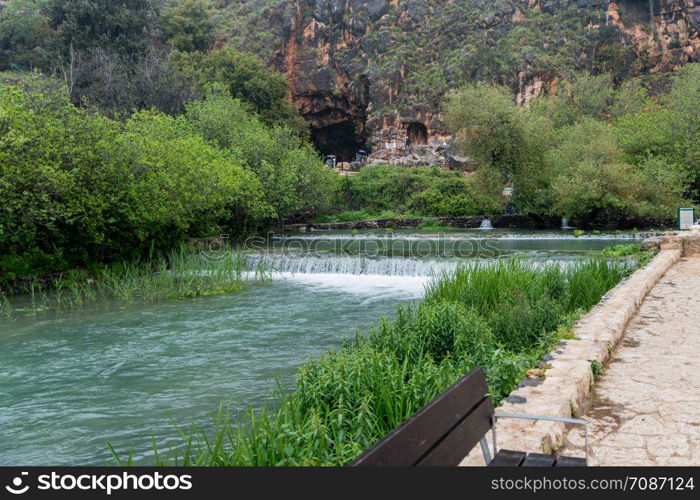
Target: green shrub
[421,191]
[247,78]
[77,189]
[290,171]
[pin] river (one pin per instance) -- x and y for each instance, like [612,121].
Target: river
[72,381]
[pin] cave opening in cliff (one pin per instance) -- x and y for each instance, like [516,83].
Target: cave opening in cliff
[417,134]
[340,139]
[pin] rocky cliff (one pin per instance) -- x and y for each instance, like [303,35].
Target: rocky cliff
[368,74]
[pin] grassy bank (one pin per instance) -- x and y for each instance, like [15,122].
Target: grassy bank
[504,317]
[182,273]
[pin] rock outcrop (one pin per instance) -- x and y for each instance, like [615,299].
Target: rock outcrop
[370,74]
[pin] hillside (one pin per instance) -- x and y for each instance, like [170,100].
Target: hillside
[367,73]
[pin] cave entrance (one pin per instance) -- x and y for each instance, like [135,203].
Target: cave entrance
[417,134]
[339,139]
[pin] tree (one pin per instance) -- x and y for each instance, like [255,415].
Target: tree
[77,189]
[293,177]
[246,78]
[491,128]
[187,25]
[507,140]
[668,128]
[117,86]
[683,104]
[24,34]
[582,96]
[120,26]
[592,182]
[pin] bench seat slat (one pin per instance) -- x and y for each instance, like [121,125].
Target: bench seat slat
[508,458]
[570,462]
[539,460]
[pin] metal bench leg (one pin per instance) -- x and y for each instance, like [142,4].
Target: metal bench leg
[485,450]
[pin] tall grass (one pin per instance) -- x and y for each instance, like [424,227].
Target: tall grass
[183,273]
[503,317]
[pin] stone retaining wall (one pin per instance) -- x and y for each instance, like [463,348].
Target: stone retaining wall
[506,221]
[564,387]
[503,221]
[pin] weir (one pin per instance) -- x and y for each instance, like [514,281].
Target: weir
[353,265]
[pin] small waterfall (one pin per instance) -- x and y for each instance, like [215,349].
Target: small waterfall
[304,264]
[486,225]
[565,224]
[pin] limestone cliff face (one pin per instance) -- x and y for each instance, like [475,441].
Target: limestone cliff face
[368,74]
[664,33]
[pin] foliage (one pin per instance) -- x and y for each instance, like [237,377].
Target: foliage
[246,78]
[669,128]
[490,128]
[182,273]
[117,86]
[598,154]
[293,177]
[117,56]
[422,48]
[77,188]
[592,180]
[119,26]
[422,191]
[187,25]
[348,399]
[23,30]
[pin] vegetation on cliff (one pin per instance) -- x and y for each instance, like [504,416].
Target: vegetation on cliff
[137,54]
[413,51]
[600,154]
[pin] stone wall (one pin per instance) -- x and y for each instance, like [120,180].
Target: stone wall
[504,221]
[513,221]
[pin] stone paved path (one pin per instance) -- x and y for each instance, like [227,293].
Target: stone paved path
[645,408]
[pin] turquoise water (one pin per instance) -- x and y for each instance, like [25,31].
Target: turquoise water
[71,382]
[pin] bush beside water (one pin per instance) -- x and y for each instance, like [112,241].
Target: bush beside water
[78,190]
[504,316]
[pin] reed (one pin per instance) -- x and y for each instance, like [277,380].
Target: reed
[183,273]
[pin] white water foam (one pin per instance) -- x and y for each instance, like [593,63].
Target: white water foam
[366,285]
[343,265]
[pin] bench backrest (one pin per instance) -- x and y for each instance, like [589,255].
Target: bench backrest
[440,434]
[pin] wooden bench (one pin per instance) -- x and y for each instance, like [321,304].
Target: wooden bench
[446,430]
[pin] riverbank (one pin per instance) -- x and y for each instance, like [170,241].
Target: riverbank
[184,273]
[504,317]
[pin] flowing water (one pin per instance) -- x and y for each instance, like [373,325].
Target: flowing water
[70,382]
